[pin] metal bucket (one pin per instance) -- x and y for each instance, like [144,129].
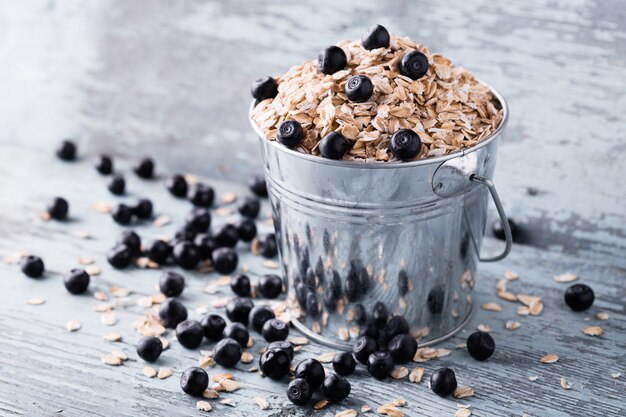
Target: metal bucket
[406,234]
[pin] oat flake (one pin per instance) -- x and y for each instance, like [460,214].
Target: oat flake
[550,358]
[416,375]
[73,325]
[203,406]
[149,371]
[463,392]
[593,331]
[602,316]
[567,277]
[512,325]
[565,384]
[262,402]
[463,412]
[320,404]
[492,307]
[36,301]
[399,372]
[164,373]
[347,413]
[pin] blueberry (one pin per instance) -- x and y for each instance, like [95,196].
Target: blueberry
[275,363]
[238,310]
[380,314]
[270,286]
[240,284]
[284,346]
[238,332]
[579,297]
[435,300]
[132,240]
[336,388]
[143,209]
[331,60]
[334,146]
[66,151]
[58,208]
[225,260]
[414,65]
[246,230]
[117,185]
[370,329]
[363,347]
[206,245]
[264,88]
[250,207]
[32,266]
[172,312]
[177,185]
[359,316]
[149,348]
[397,325]
[383,339]
[213,326]
[171,284]
[380,364]
[312,371]
[201,195]
[359,88]
[144,168]
[184,233]
[498,230]
[301,294]
[76,281]
[330,302]
[311,304]
[375,37]
[268,246]
[227,235]
[443,382]
[481,346]
[275,330]
[403,283]
[290,133]
[405,144]
[352,286]
[157,251]
[194,381]
[258,186]
[122,214]
[227,352]
[344,363]
[186,255]
[335,284]
[189,333]
[259,315]
[402,348]
[299,391]
[120,256]
[104,165]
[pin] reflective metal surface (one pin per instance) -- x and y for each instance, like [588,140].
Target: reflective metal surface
[352,234]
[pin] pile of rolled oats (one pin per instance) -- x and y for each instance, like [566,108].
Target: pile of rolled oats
[448,108]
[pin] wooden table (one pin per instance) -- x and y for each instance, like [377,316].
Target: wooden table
[170,79]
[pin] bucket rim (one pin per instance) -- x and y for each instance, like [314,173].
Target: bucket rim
[395,164]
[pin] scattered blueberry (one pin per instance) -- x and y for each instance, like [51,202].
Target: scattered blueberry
[259,315]
[249,207]
[104,165]
[579,297]
[76,281]
[402,348]
[238,332]
[435,299]
[282,345]
[58,208]
[258,186]
[171,284]
[443,382]
[67,150]
[225,260]
[405,144]
[336,388]
[227,352]
[186,255]
[264,88]
[331,60]
[227,235]
[149,348]
[213,326]
[414,65]
[238,310]
[375,37]
[380,364]
[481,346]
[397,325]
[132,240]
[370,329]
[177,185]
[299,391]
[32,266]
[122,214]
[312,371]
[334,146]
[380,314]
[359,88]
[267,245]
[158,251]
[143,209]
[120,256]
[172,312]
[312,307]
[363,347]
[240,284]
[275,363]
[290,133]
[189,333]
[344,363]
[201,195]
[194,381]
[359,315]
[498,230]
[205,244]
[270,286]
[144,168]
[117,185]
[246,230]
[275,330]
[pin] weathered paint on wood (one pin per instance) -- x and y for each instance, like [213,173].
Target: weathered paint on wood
[170,80]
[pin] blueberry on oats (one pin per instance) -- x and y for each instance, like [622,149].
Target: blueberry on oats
[375,37]
[414,65]
[264,88]
[331,60]
[405,144]
[359,88]
[290,133]
[334,146]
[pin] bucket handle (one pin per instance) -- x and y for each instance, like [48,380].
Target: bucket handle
[505,222]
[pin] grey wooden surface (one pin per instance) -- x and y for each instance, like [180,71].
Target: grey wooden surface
[170,79]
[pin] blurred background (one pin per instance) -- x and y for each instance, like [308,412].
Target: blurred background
[171,80]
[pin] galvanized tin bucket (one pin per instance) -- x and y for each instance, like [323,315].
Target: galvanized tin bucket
[406,234]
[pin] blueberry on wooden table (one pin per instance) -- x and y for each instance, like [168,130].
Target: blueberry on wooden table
[290,133]
[104,165]
[275,363]
[186,255]
[579,297]
[177,185]
[258,186]
[336,388]
[331,60]
[249,207]
[131,239]
[275,330]
[149,348]
[189,333]
[158,251]
[259,315]
[122,214]
[206,245]
[172,312]
[268,246]
[238,332]
[397,325]
[143,209]
[380,364]
[227,352]
[480,345]
[198,220]
[312,371]
[498,229]
[414,65]
[334,146]
[171,284]
[344,363]
[238,310]
[117,185]
[120,256]
[240,284]
[32,266]
[201,195]
[77,281]
[370,329]
[402,348]
[270,286]
[66,150]
[194,381]
[213,326]
[58,208]
[359,88]
[144,168]
[225,260]
[299,391]
[363,347]
[226,236]
[375,37]
[264,88]
[443,382]
[246,230]
[405,144]
[282,345]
